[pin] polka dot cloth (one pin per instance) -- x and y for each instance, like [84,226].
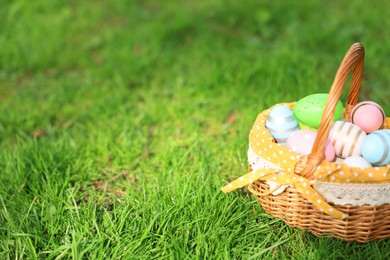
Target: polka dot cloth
[263,144]
[341,173]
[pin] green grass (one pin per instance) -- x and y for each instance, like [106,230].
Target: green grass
[120,122]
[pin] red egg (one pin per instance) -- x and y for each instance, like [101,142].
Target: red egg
[369,116]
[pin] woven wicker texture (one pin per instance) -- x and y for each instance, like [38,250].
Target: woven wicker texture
[364,224]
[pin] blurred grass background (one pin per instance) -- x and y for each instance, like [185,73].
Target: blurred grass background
[121,120]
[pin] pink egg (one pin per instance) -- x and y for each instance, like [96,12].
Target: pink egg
[302,142]
[369,116]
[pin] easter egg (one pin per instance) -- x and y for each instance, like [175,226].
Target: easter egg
[368,115]
[281,123]
[357,161]
[308,110]
[375,147]
[346,138]
[302,142]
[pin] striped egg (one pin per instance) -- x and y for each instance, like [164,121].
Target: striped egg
[281,123]
[375,147]
[369,116]
[346,138]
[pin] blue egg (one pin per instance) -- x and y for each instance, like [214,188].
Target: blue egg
[281,123]
[375,147]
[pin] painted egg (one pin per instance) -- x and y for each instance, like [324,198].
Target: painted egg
[281,123]
[346,138]
[357,161]
[375,147]
[308,110]
[302,142]
[369,116]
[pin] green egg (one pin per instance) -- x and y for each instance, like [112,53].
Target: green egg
[308,110]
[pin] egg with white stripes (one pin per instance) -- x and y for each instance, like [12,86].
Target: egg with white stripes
[346,138]
[375,147]
[281,123]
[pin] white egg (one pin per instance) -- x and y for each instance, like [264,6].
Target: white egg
[357,161]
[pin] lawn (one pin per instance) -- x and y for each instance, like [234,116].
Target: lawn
[121,120]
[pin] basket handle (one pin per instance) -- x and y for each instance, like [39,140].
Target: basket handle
[353,60]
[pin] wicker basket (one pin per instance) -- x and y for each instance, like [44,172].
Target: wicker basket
[361,223]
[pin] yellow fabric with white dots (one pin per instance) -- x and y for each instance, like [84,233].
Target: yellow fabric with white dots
[263,144]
